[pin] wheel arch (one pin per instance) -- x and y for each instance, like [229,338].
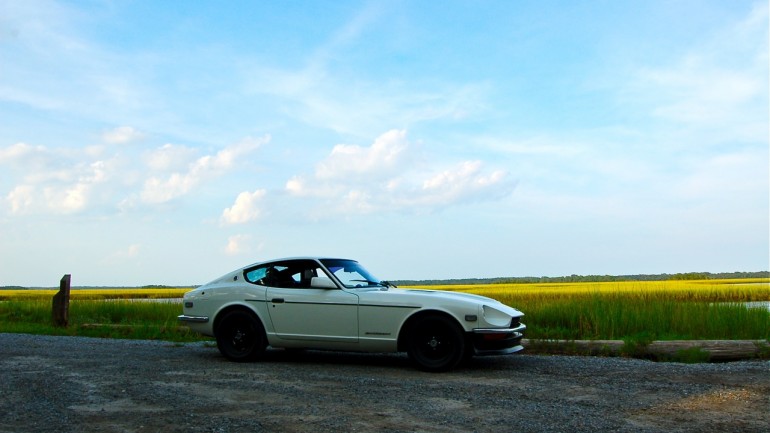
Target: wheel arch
[414,318]
[235,307]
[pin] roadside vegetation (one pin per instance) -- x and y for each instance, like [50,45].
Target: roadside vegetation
[143,314]
[634,311]
[20,293]
[726,309]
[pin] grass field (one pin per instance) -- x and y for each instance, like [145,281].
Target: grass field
[643,310]
[107,312]
[96,294]
[633,310]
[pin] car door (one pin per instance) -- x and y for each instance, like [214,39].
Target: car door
[301,312]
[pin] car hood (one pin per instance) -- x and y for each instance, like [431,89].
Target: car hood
[436,297]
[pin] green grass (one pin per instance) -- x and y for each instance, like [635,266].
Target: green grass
[657,310]
[602,318]
[632,311]
[110,319]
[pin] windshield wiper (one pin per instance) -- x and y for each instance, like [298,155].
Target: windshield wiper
[378,283]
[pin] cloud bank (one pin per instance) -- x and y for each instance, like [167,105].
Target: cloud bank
[387,176]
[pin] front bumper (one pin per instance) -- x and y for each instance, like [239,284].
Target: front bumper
[498,341]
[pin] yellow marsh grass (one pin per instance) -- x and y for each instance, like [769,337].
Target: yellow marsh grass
[665,310]
[739,290]
[96,294]
[709,309]
[645,310]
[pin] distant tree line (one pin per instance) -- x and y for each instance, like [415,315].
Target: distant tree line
[589,278]
[508,280]
[150,286]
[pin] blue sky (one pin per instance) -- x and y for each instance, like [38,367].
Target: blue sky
[146,142]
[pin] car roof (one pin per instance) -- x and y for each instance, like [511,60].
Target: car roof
[285,259]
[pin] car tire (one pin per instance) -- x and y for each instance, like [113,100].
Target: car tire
[240,336]
[435,343]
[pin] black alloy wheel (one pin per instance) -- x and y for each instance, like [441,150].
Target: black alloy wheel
[240,336]
[436,343]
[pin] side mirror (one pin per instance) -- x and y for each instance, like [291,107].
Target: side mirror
[322,283]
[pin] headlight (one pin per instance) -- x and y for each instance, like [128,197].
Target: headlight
[495,317]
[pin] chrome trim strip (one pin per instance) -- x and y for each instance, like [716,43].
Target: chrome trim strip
[193,319]
[313,303]
[389,306]
[339,303]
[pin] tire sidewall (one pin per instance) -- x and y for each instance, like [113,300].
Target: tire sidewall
[250,333]
[449,340]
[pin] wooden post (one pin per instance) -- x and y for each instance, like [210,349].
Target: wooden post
[61,303]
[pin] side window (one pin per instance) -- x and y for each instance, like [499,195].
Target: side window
[291,274]
[278,276]
[307,274]
[255,275]
[270,275]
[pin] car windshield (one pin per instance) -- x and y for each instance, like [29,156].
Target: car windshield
[352,274]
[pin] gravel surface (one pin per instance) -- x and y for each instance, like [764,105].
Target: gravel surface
[73,384]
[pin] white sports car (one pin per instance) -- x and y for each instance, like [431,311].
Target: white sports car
[335,304]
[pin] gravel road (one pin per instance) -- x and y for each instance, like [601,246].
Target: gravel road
[73,384]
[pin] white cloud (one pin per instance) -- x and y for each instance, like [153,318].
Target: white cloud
[466,182]
[25,157]
[133,250]
[241,244]
[62,190]
[21,199]
[386,177]
[130,252]
[17,151]
[122,135]
[296,186]
[246,208]
[158,190]
[463,180]
[62,180]
[68,199]
[381,159]
[350,165]
[161,189]
[169,157]
[64,199]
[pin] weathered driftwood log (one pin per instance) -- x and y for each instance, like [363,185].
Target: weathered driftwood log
[715,350]
[718,350]
[61,303]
